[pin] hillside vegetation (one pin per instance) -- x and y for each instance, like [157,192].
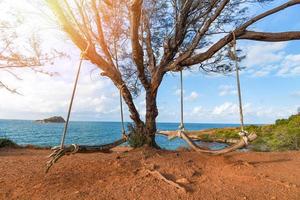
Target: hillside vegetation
[281,136]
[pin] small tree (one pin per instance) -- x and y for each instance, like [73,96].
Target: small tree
[136,43]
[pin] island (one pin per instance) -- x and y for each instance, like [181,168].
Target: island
[55,119]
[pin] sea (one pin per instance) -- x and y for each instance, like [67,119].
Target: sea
[26,132]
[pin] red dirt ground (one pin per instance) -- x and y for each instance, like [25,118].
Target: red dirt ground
[123,175]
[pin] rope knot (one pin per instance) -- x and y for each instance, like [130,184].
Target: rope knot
[244,135]
[179,133]
[76,148]
[121,87]
[83,53]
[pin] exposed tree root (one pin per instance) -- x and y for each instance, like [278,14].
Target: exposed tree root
[159,176]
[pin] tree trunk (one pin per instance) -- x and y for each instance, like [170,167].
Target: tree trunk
[151,114]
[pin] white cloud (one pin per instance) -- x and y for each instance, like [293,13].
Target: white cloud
[290,66]
[226,108]
[228,112]
[225,90]
[44,96]
[192,97]
[264,59]
[196,110]
[178,92]
[264,53]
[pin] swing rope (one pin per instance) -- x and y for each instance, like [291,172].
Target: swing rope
[245,137]
[72,98]
[120,94]
[121,88]
[181,126]
[237,69]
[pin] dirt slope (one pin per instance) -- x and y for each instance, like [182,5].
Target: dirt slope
[124,175]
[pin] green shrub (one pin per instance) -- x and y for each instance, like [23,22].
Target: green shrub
[282,136]
[137,138]
[281,122]
[7,143]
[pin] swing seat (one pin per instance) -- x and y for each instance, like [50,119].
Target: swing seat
[59,152]
[196,135]
[243,142]
[191,136]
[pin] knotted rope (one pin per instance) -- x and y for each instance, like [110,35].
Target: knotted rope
[72,98]
[181,126]
[243,134]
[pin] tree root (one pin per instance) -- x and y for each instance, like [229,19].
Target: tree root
[159,176]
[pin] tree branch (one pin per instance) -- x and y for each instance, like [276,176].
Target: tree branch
[101,39]
[269,12]
[241,31]
[172,44]
[151,57]
[137,50]
[108,69]
[270,37]
[78,39]
[201,32]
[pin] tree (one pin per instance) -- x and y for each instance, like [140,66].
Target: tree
[136,43]
[19,51]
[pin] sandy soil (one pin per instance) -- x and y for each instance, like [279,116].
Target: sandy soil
[124,175]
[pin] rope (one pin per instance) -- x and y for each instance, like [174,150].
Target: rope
[122,114]
[122,86]
[243,132]
[181,126]
[72,98]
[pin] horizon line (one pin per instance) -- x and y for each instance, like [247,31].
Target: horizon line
[230,123]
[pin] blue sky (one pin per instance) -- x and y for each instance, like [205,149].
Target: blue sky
[270,83]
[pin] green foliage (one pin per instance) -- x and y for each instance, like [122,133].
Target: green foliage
[284,135]
[227,133]
[137,138]
[7,143]
[281,122]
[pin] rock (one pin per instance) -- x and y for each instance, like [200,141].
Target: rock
[55,119]
[182,181]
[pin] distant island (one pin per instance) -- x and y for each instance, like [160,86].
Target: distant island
[55,119]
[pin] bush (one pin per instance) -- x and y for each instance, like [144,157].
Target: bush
[7,143]
[282,136]
[137,137]
[281,122]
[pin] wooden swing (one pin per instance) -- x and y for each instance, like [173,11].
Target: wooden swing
[245,137]
[62,149]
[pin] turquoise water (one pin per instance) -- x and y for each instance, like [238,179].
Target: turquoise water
[28,132]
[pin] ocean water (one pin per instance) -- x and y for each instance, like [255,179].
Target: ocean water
[25,132]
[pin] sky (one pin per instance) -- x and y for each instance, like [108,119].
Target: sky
[270,82]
